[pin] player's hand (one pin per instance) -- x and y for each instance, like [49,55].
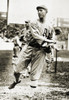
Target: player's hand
[45,44]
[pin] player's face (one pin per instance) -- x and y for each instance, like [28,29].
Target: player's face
[41,13]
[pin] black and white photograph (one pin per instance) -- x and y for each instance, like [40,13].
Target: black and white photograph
[34,50]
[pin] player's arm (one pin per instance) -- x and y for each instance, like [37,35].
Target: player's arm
[35,34]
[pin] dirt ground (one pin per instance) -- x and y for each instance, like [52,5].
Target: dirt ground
[51,86]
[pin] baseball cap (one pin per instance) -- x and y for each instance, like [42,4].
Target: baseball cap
[43,7]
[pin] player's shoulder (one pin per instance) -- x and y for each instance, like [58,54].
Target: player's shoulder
[48,26]
[34,22]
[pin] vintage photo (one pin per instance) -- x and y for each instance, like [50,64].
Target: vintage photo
[34,50]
